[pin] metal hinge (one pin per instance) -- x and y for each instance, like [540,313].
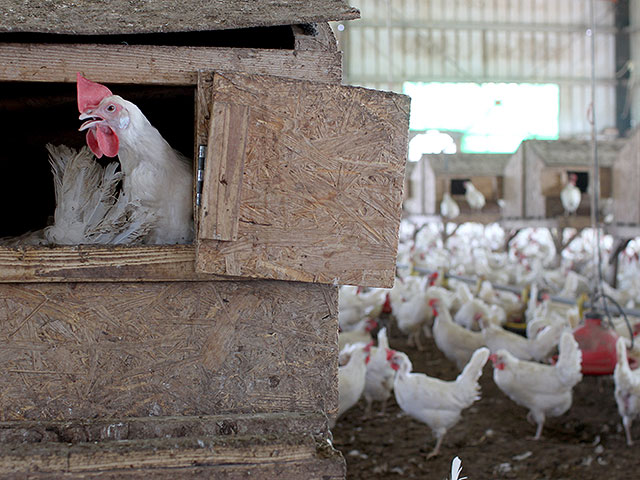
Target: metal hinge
[202,153]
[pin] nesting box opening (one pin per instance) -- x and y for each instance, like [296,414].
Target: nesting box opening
[278,37]
[582,180]
[457,186]
[34,114]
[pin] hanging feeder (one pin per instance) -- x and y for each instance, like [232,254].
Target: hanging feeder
[598,345]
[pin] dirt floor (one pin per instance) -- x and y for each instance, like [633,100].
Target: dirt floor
[493,439]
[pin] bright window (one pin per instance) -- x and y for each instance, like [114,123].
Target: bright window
[492,117]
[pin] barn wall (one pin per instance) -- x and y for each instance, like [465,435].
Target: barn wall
[634,31]
[487,41]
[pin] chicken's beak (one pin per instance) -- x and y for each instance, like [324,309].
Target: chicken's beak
[91,120]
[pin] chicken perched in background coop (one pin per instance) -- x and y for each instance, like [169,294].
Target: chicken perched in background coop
[570,195]
[449,208]
[435,402]
[546,390]
[473,196]
[156,175]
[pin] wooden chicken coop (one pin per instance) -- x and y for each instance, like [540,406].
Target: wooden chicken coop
[436,174]
[537,172]
[217,358]
[626,179]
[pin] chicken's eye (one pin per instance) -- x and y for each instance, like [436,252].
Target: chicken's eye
[111,108]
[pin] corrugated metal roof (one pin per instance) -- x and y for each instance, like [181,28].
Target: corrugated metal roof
[98,17]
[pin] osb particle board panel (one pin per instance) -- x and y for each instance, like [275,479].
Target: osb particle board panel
[282,456]
[91,350]
[144,428]
[322,181]
[97,17]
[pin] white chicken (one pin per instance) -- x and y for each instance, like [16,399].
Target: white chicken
[361,333]
[351,378]
[379,377]
[449,208]
[411,314]
[156,175]
[435,402]
[473,196]
[570,195]
[538,348]
[455,342]
[546,390]
[627,390]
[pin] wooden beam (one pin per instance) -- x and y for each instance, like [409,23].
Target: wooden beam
[101,17]
[100,264]
[161,65]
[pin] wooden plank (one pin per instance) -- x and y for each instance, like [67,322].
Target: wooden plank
[223,176]
[314,37]
[100,264]
[160,16]
[164,65]
[71,351]
[322,191]
[100,430]
[287,456]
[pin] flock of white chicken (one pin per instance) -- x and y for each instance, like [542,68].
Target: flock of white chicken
[467,323]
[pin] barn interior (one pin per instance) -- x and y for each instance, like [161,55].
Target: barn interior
[517,252]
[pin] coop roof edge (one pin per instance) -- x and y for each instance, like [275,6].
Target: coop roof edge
[108,17]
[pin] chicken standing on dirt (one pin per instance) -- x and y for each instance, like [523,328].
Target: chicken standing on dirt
[454,341]
[379,377]
[546,390]
[627,391]
[156,175]
[351,378]
[435,402]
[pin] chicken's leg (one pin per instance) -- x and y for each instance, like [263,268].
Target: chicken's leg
[436,450]
[626,421]
[539,430]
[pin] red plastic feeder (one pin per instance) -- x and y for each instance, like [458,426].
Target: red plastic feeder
[598,345]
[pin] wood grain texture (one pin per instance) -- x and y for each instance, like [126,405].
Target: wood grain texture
[321,37]
[223,179]
[100,263]
[514,184]
[100,430]
[626,182]
[72,351]
[97,17]
[270,456]
[323,180]
[161,65]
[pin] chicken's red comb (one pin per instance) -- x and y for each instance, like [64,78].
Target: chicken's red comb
[90,94]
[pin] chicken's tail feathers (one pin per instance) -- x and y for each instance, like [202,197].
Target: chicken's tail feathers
[569,360]
[383,340]
[468,378]
[621,352]
[456,469]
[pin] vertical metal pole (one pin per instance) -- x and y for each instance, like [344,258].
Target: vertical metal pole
[596,166]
